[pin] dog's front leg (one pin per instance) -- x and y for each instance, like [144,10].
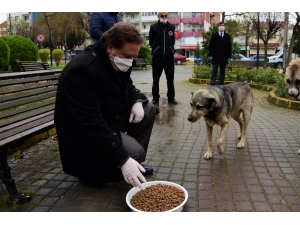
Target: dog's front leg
[209,153]
[221,138]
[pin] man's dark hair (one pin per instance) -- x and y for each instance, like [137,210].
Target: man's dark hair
[221,22]
[122,33]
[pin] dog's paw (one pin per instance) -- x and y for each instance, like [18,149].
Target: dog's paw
[208,155]
[239,136]
[240,145]
[221,149]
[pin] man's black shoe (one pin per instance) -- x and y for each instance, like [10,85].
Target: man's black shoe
[173,101]
[149,169]
[155,101]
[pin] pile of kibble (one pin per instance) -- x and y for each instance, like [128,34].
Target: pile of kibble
[157,198]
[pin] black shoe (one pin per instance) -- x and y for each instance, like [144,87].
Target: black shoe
[173,101]
[149,169]
[155,101]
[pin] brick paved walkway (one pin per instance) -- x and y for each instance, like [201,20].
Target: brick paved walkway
[264,176]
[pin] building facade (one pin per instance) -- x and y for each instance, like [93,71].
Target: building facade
[3,29]
[189,26]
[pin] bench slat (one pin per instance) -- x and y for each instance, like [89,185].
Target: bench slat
[25,87]
[28,132]
[27,94]
[6,76]
[28,80]
[26,109]
[27,100]
[24,121]
[26,126]
[25,116]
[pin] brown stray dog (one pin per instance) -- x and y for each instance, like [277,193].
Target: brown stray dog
[292,78]
[217,104]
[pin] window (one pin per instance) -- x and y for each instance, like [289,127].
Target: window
[132,16]
[149,13]
[17,18]
[144,26]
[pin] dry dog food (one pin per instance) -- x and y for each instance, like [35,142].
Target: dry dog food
[157,198]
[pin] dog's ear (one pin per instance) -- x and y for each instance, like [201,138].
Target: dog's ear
[211,103]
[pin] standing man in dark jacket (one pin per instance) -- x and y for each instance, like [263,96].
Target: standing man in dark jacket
[162,40]
[219,53]
[101,22]
[96,104]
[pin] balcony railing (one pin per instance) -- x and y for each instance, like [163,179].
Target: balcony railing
[190,34]
[192,20]
[174,20]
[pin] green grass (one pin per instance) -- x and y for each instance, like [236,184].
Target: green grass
[58,67]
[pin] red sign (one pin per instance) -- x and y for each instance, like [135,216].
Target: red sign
[176,34]
[40,37]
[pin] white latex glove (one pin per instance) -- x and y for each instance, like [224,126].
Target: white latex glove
[137,113]
[131,172]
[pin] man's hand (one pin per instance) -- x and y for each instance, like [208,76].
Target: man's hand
[137,113]
[131,172]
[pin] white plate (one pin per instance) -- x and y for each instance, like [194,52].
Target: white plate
[134,190]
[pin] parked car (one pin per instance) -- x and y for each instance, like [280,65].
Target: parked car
[240,57]
[197,60]
[276,60]
[260,60]
[179,59]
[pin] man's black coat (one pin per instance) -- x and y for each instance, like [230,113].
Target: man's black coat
[90,97]
[162,39]
[220,48]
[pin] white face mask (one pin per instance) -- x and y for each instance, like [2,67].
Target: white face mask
[221,29]
[164,21]
[121,63]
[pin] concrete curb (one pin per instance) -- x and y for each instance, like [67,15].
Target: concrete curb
[272,98]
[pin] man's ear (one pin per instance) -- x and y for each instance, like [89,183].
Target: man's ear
[109,48]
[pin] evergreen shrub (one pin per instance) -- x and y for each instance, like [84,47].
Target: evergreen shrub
[4,56]
[57,55]
[21,48]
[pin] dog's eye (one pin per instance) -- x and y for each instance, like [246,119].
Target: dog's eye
[297,82]
[199,107]
[288,81]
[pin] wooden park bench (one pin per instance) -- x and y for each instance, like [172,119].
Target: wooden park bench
[141,62]
[25,66]
[27,101]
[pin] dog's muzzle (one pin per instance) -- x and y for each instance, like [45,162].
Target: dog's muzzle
[293,92]
[192,119]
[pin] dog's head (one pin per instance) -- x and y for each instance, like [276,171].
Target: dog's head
[292,78]
[202,103]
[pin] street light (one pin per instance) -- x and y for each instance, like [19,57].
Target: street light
[258,30]
[46,16]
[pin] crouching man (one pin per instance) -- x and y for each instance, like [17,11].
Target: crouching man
[103,125]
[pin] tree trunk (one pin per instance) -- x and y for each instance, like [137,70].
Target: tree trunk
[266,54]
